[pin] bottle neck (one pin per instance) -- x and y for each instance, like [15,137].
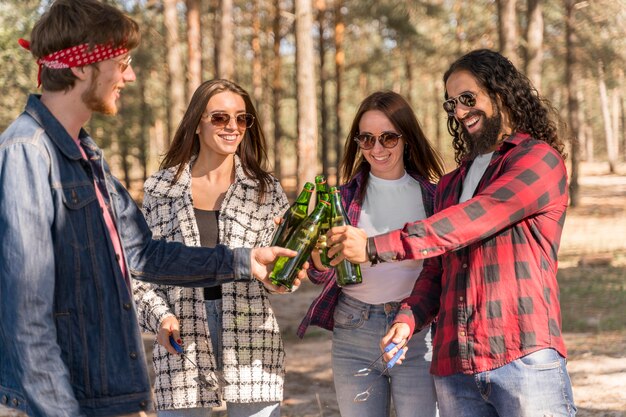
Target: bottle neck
[304,197]
[321,208]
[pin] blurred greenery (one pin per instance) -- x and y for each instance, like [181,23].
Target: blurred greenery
[593,299]
[404,45]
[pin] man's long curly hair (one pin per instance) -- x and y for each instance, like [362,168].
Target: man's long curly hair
[527,110]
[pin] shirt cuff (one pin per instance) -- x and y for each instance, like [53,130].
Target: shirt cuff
[241,264]
[405,315]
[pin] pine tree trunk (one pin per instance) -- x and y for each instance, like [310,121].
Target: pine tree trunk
[586,151]
[306,94]
[339,69]
[320,5]
[534,42]
[176,107]
[257,56]
[408,73]
[615,116]
[226,60]
[606,117]
[216,5]
[194,47]
[277,90]
[144,120]
[589,91]
[571,77]
[507,28]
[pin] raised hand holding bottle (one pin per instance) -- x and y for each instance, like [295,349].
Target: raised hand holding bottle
[346,273]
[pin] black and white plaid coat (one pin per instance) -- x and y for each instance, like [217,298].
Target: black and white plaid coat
[253,353]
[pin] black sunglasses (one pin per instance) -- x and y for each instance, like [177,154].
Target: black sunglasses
[367,141]
[221,120]
[467,99]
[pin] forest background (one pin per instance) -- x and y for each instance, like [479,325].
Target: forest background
[308,63]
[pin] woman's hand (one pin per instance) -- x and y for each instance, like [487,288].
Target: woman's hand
[399,334]
[316,259]
[169,326]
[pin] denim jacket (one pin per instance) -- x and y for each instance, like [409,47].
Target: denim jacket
[69,340]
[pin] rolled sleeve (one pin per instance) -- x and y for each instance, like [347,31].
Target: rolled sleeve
[241,264]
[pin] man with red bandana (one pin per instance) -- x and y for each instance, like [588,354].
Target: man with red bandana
[498,348]
[72,236]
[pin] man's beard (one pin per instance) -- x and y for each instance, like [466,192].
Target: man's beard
[94,102]
[486,138]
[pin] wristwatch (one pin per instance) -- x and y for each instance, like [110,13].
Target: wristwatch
[372,254]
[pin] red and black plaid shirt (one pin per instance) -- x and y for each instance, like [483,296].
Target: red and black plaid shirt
[496,295]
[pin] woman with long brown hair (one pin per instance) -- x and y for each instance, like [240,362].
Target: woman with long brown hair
[213,189]
[389,168]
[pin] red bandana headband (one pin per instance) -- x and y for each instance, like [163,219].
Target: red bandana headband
[75,56]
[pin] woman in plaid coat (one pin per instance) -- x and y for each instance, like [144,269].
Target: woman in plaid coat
[213,189]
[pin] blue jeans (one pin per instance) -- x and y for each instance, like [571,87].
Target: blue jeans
[214,323]
[535,385]
[356,343]
[259,409]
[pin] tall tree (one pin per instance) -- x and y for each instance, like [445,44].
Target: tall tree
[320,5]
[216,35]
[277,88]
[459,32]
[622,113]
[257,55]
[340,59]
[611,148]
[586,135]
[571,77]
[534,42]
[507,29]
[226,60]
[194,46]
[306,94]
[260,73]
[175,71]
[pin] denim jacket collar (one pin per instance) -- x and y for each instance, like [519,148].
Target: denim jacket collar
[55,130]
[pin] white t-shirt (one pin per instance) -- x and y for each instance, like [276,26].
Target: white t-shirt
[474,175]
[388,205]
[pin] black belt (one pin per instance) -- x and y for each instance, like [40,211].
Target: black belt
[213,293]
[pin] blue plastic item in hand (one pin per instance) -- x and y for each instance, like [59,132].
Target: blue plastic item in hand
[175,345]
[395,357]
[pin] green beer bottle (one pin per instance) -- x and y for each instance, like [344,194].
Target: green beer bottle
[347,273]
[293,216]
[303,241]
[321,193]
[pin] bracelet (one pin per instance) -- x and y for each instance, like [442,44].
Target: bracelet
[372,254]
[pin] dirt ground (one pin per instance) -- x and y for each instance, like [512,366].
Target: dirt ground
[595,234]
